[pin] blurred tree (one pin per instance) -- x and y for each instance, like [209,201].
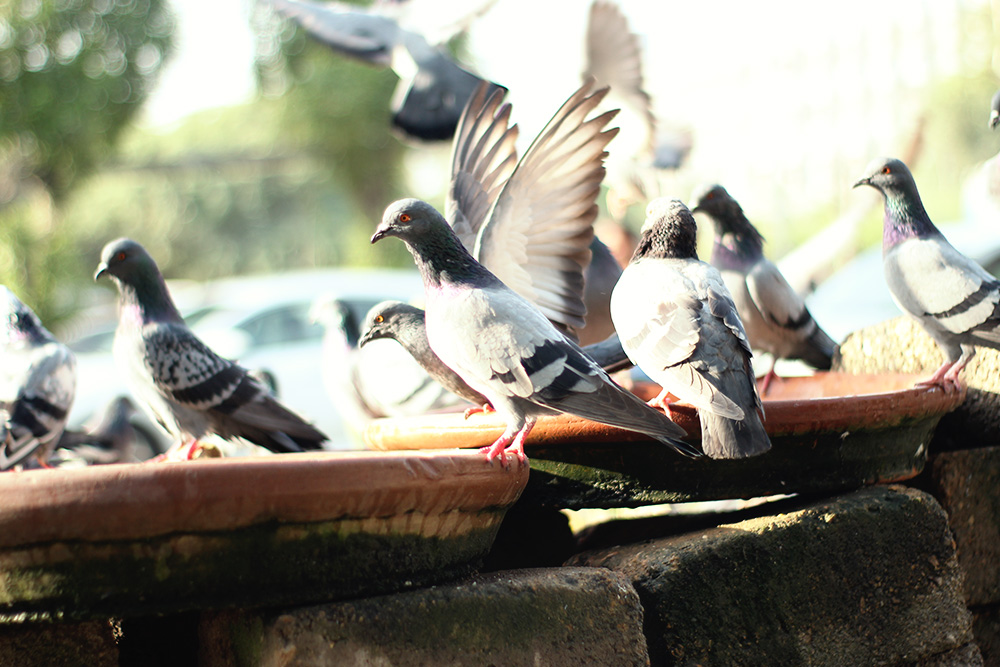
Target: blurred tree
[72,74]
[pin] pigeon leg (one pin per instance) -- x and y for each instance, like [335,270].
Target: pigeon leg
[498,446]
[192,448]
[663,400]
[485,409]
[518,446]
[768,378]
[941,377]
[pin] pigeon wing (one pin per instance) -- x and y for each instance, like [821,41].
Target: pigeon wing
[538,234]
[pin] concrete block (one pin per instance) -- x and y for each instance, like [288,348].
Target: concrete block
[870,577]
[90,643]
[541,617]
[900,345]
[967,484]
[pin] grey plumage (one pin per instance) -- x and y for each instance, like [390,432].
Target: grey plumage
[433,88]
[774,316]
[678,323]
[952,297]
[37,385]
[181,383]
[503,346]
[110,438]
[405,324]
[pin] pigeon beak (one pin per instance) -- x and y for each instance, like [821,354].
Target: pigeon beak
[366,337]
[864,181]
[101,270]
[378,235]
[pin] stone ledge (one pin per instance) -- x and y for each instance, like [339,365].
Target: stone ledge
[870,577]
[90,643]
[900,345]
[967,484]
[559,616]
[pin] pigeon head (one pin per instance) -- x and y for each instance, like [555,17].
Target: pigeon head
[138,278]
[19,320]
[437,252]
[995,111]
[670,231]
[125,261]
[905,216]
[738,244]
[390,319]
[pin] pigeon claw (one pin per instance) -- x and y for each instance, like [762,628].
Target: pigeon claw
[509,443]
[485,409]
[945,377]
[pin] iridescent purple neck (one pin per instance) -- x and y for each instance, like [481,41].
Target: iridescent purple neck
[728,254]
[905,218]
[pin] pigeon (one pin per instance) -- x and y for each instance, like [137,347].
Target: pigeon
[37,385]
[111,439]
[953,298]
[405,324]
[433,89]
[613,58]
[679,325]
[774,315]
[599,279]
[995,111]
[178,380]
[504,346]
[356,378]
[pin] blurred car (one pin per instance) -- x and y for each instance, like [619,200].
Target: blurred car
[262,322]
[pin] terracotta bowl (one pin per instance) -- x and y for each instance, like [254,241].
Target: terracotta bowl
[284,529]
[829,431]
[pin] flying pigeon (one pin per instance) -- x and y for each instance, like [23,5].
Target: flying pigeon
[433,89]
[613,58]
[955,299]
[181,383]
[774,315]
[504,347]
[405,324]
[679,325]
[37,385]
[995,111]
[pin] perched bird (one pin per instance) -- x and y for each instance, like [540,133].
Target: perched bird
[433,88]
[37,385]
[111,438]
[503,346]
[952,297]
[380,380]
[679,325]
[774,316]
[405,324]
[181,383]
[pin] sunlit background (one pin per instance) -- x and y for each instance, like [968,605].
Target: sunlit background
[230,144]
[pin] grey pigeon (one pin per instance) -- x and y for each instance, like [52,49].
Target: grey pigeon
[181,383]
[774,315]
[110,439]
[678,323]
[952,297]
[504,347]
[995,111]
[433,88]
[379,380]
[405,324]
[37,385]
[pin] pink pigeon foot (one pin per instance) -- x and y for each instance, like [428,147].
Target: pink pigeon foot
[500,447]
[485,409]
[945,377]
[766,382]
[663,400]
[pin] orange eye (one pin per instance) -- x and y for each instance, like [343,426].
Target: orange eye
[379,319]
[404,217]
[120,256]
[886,170]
